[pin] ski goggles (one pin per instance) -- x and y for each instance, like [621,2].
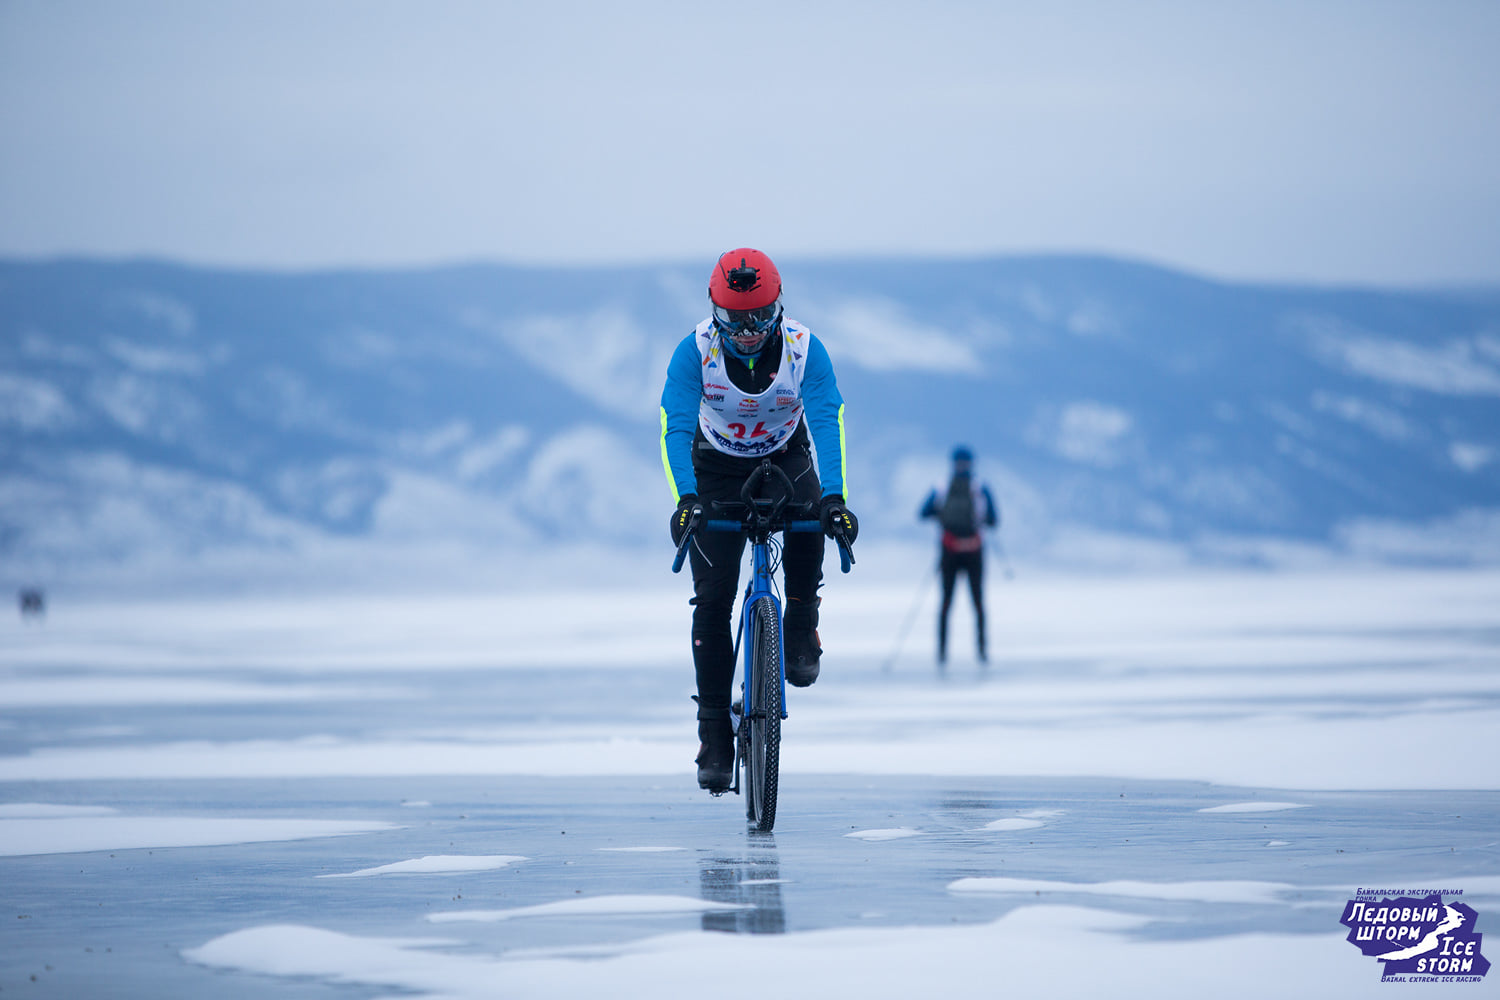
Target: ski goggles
[748,328]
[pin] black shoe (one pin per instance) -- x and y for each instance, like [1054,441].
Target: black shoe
[715,754]
[802,652]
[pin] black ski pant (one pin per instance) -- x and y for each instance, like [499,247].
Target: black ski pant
[972,565]
[716,557]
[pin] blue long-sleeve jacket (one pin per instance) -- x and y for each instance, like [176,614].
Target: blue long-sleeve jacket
[822,411]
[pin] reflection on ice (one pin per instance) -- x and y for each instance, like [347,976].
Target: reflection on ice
[753,884]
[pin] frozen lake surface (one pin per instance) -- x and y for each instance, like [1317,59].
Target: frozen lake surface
[1164,786]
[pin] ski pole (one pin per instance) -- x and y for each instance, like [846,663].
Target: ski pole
[1010,574]
[911,616]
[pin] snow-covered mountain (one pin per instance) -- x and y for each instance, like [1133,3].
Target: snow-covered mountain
[150,408]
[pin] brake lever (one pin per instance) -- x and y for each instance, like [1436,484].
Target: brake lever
[846,553]
[687,539]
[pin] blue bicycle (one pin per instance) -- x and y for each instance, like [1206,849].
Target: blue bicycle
[757,716]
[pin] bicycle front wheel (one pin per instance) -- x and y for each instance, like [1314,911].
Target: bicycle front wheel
[762,746]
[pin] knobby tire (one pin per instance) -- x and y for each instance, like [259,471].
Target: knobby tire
[762,746]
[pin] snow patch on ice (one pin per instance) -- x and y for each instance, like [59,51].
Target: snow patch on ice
[46,810]
[437,864]
[1028,730]
[1026,948]
[327,757]
[1014,823]
[1227,678]
[1253,807]
[893,834]
[1199,892]
[291,950]
[591,906]
[1025,819]
[80,834]
[177,691]
[1276,843]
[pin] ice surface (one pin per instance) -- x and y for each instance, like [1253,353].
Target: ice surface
[1172,776]
[591,905]
[1204,892]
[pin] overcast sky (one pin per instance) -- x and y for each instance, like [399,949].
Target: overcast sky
[1248,139]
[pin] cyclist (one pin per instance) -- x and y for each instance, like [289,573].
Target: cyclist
[961,510]
[747,384]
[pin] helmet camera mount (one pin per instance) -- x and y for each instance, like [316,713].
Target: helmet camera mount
[742,278]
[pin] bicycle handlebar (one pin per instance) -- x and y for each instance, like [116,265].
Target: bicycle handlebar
[846,553]
[797,526]
[761,516]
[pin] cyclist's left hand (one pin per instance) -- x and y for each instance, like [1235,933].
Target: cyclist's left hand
[685,517]
[838,521]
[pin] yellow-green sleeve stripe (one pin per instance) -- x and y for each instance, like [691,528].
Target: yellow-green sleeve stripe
[666,463]
[843,455]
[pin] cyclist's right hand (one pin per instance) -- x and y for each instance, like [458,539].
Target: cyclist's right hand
[688,513]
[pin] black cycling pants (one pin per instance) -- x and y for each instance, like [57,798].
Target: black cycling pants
[716,557]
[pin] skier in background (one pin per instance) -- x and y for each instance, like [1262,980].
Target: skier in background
[962,510]
[746,385]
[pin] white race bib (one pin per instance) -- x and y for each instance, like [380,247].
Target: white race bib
[737,423]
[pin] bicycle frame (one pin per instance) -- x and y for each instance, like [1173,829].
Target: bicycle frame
[757,586]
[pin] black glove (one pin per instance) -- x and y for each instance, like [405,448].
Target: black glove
[837,520]
[688,512]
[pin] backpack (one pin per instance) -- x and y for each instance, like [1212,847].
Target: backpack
[957,515]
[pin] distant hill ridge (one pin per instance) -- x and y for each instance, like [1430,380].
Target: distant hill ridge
[150,406]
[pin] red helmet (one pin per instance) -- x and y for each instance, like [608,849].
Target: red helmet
[745,289]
